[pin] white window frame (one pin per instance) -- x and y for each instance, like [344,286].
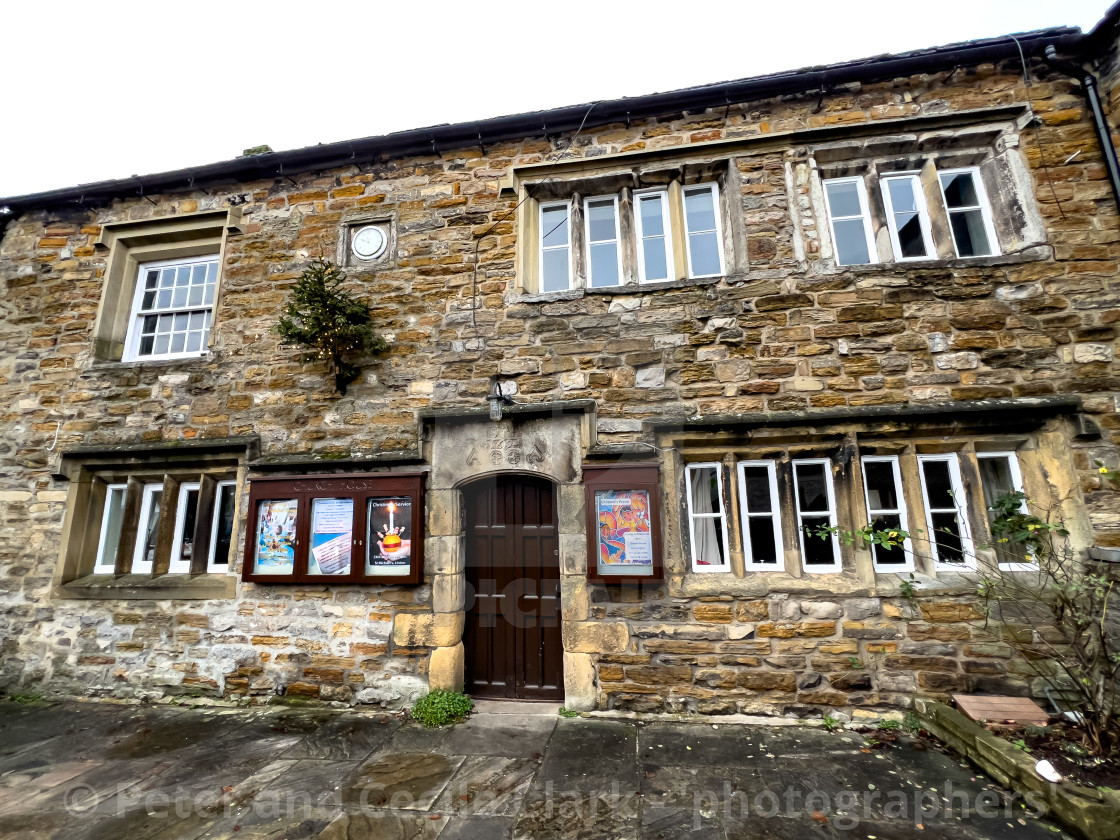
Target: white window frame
[136,317]
[775,515]
[923,215]
[984,206]
[837,565]
[967,549]
[666,222]
[541,247]
[212,564]
[588,243]
[864,217]
[692,517]
[1016,480]
[713,188]
[907,546]
[100,566]
[140,565]
[178,566]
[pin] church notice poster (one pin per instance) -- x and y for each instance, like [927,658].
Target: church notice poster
[332,535]
[389,540]
[276,536]
[625,538]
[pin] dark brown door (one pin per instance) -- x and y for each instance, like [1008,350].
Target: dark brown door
[512,635]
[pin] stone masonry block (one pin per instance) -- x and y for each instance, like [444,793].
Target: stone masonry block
[444,517]
[428,629]
[447,593]
[446,668]
[596,636]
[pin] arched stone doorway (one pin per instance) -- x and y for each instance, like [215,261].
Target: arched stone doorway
[511,635]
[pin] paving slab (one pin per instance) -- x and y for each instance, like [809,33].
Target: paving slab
[83,771]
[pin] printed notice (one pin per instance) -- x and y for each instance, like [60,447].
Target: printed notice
[625,537]
[332,536]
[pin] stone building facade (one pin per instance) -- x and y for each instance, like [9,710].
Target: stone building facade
[565,260]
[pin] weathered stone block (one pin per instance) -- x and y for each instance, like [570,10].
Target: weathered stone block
[767,681]
[428,629]
[445,668]
[595,636]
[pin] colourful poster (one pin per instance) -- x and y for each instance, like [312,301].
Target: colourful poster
[389,540]
[625,537]
[276,537]
[332,536]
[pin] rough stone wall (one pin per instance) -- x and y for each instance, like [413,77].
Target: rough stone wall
[785,336]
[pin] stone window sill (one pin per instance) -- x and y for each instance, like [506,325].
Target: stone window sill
[183,363]
[628,289]
[1031,253]
[148,588]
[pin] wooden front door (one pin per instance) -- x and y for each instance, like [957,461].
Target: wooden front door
[512,634]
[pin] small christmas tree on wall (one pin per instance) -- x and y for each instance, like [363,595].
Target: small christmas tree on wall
[330,322]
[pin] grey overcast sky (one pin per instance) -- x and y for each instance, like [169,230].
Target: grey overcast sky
[110,89]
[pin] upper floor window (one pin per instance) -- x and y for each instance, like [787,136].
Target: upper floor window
[907,219]
[646,235]
[171,312]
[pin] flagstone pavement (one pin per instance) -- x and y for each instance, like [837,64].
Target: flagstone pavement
[95,771]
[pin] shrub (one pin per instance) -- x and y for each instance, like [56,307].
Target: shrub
[440,708]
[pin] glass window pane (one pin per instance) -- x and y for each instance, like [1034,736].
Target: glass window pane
[903,199]
[843,199]
[161,345]
[699,210]
[604,264]
[969,233]
[555,277]
[812,490]
[910,240]
[178,342]
[893,554]
[198,274]
[757,480]
[208,297]
[183,276]
[601,221]
[655,265]
[151,528]
[946,535]
[554,226]
[818,552]
[111,532]
[995,478]
[704,485]
[652,218]
[879,476]
[179,299]
[851,242]
[276,536]
[190,515]
[165,298]
[332,536]
[194,342]
[704,249]
[939,484]
[224,535]
[763,549]
[146,346]
[960,191]
[152,280]
[167,278]
[149,300]
[195,296]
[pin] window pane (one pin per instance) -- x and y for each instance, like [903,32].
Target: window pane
[178,342]
[939,484]
[224,534]
[554,226]
[162,342]
[879,476]
[604,264]
[757,480]
[653,252]
[111,532]
[818,552]
[763,549]
[146,345]
[969,233]
[183,276]
[910,240]
[708,536]
[195,296]
[165,298]
[997,480]
[851,243]
[152,280]
[843,200]
[332,536]
[704,248]
[946,535]
[960,191]
[652,219]
[894,554]
[194,342]
[601,221]
[812,491]
[705,490]
[699,210]
[190,515]
[151,528]
[149,300]
[903,199]
[555,271]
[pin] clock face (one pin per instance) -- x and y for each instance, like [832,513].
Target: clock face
[369,243]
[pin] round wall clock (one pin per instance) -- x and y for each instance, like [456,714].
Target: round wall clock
[369,242]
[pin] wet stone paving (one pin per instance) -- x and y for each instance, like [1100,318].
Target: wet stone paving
[89,771]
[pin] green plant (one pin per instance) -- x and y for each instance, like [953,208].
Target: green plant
[911,723]
[25,698]
[831,724]
[854,661]
[889,725]
[440,708]
[1020,745]
[1111,476]
[332,324]
[568,713]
